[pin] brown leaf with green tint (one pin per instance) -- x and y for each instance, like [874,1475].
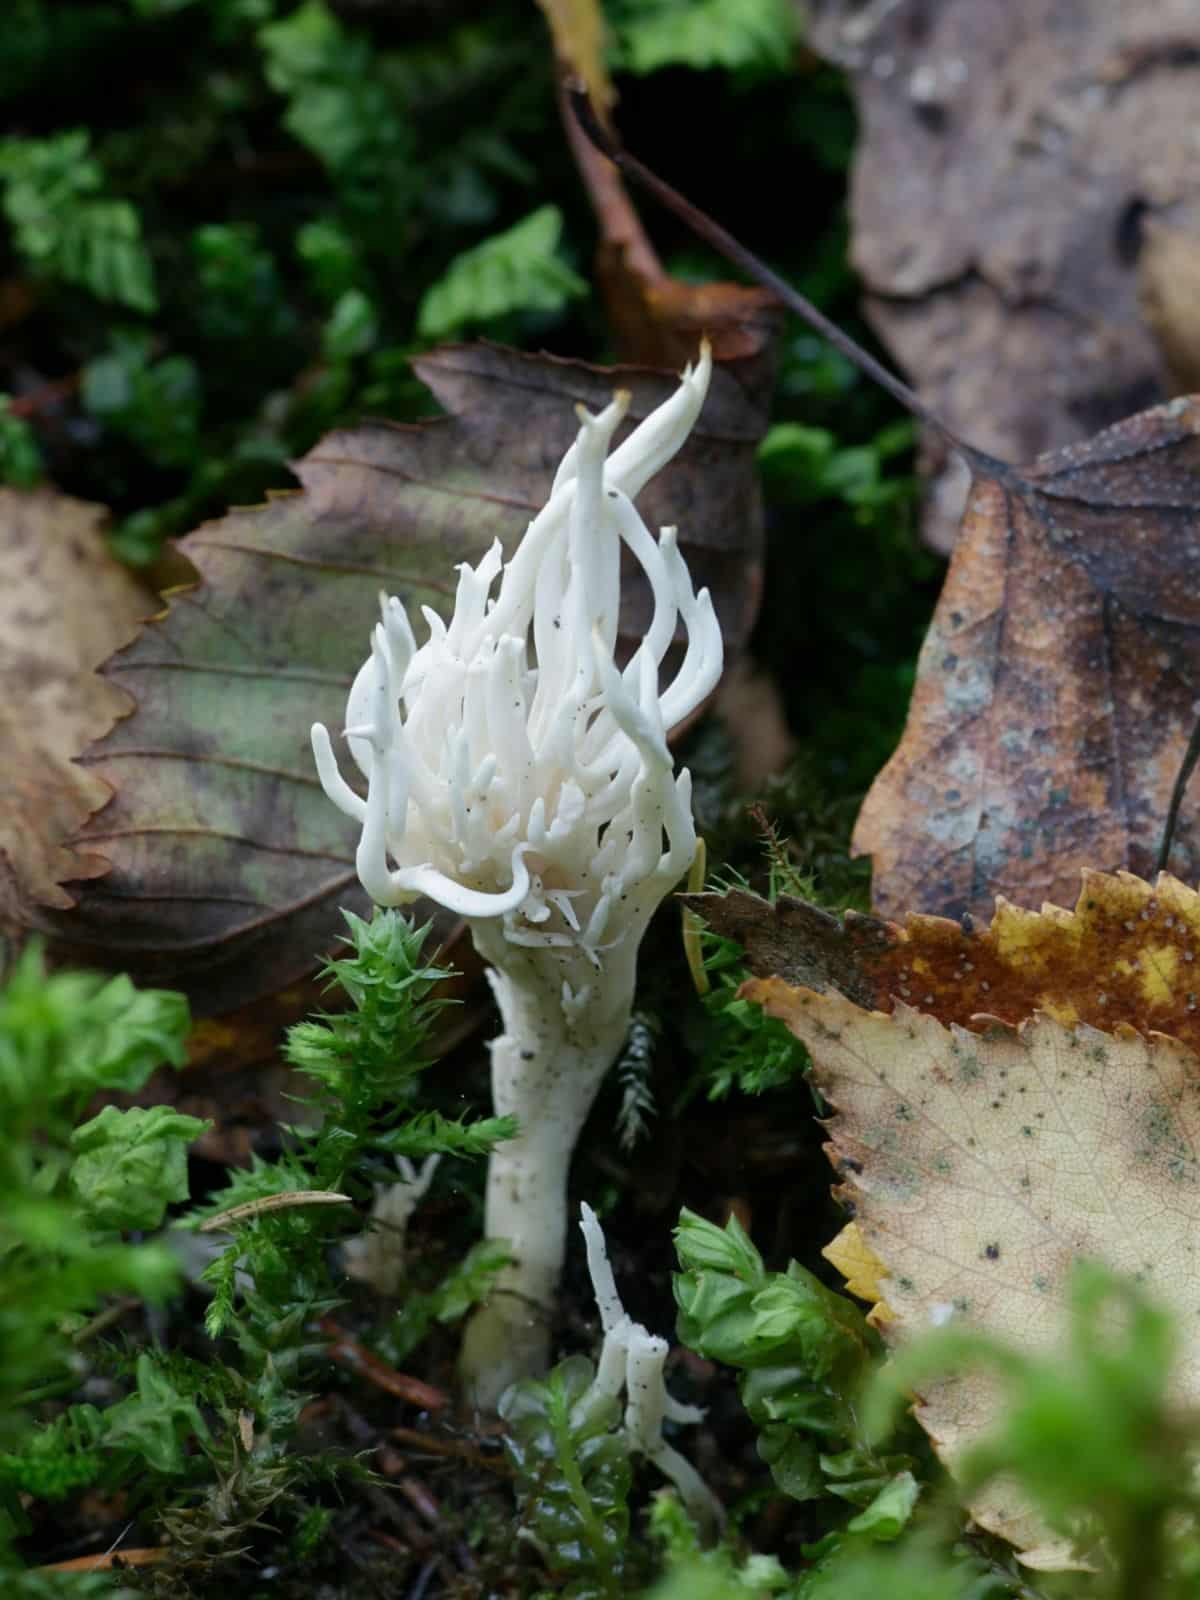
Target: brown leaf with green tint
[228,862]
[65,604]
[1057,686]
[1127,955]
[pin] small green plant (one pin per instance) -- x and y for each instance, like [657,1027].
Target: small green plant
[573,1479]
[366,1065]
[743,35]
[65,225]
[802,1352]
[518,270]
[208,1441]
[67,1195]
[743,1047]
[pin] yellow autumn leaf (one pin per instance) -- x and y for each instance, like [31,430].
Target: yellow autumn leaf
[577,28]
[862,1269]
[982,1164]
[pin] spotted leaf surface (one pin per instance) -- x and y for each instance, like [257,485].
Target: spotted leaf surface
[980,1165]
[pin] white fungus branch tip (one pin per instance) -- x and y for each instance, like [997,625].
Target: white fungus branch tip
[633,1359]
[512,769]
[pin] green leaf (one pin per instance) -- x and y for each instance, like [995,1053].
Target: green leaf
[123,1033]
[56,1460]
[352,327]
[889,1512]
[705,33]
[153,1424]
[340,107]
[471,1280]
[700,1244]
[100,247]
[66,228]
[20,458]
[573,1476]
[130,1165]
[793,1460]
[65,1035]
[429,1133]
[330,258]
[239,293]
[154,403]
[518,270]
[806,465]
[802,1351]
[464,1286]
[300,47]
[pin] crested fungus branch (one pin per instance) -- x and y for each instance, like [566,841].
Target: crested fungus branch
[519,777]
[633,1361]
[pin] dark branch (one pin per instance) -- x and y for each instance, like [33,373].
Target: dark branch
[725,244]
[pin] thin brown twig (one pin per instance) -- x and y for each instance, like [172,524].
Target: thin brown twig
[109,1560]
[45,396]
[711,231]
[461,1449]
[348,1352]
[105,1319]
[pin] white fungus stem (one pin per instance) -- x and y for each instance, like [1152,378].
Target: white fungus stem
[547,1066]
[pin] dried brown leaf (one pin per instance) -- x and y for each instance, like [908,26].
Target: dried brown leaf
[1056,688]
[65,604]
[1011,156]
[1128,955]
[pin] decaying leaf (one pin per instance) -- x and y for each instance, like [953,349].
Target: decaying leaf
[1169,294]
[228,864]
[1057,684]
[1011,157]
[655,318]
[1127,955]
[981,1166]
[65,604]
[1056,688]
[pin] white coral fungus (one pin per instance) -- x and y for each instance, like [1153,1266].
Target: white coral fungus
[520,778]
[505,788]
[632,1360]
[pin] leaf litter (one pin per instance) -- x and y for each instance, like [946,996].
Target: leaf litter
[227,864]
[982,1165]
[65,604]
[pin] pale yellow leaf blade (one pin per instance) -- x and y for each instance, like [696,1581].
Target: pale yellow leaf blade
[982,1166]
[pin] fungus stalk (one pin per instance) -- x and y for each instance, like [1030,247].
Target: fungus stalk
[521,779]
